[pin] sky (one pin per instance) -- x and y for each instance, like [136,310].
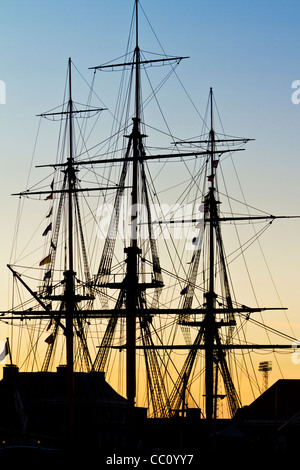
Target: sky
[248,51]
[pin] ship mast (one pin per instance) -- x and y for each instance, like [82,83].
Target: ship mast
[133,250]
[210,295]
[69,273]
[68,298]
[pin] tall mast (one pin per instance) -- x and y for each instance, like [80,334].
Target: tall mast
[137,63]
[211,198]
[135,134]
[70,172]
[69,274]
[209,317]
[67,298]
[133,250]
[131,286]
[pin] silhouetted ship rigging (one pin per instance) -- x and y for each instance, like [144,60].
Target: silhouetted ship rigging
[91,320]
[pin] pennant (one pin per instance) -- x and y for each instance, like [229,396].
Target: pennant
[193,257]
[215,163]
[49,197]
[47,229]
[210,178]
[46,260]
[47,275]
[184,290]
[50,339]
[50,213]
[200,224]
[51,185]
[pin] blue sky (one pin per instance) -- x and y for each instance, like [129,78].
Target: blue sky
[248,51]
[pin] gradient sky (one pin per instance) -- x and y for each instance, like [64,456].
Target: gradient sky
[248,51]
